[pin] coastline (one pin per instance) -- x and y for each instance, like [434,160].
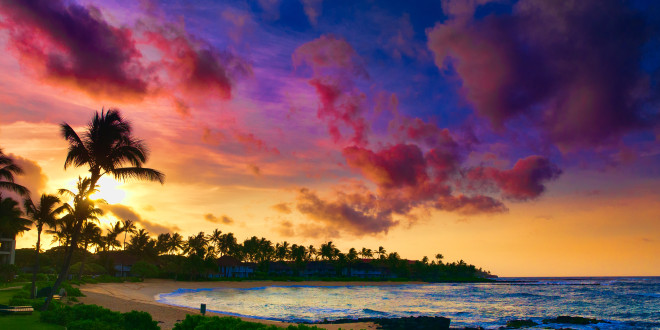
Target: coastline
[124,297]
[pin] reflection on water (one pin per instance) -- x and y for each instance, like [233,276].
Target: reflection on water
[627,302]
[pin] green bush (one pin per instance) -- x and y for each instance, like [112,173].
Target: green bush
[98,318]
[91,324]
[199,322]
[135,320]
[144,269]
[8,272]
[61,315]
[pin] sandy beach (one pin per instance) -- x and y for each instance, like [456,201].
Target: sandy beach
[124,297]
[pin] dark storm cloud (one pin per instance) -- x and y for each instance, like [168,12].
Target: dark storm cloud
[573,67]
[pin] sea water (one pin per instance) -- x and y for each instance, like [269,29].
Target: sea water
[627,303]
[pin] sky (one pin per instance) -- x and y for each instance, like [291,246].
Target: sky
[519,136]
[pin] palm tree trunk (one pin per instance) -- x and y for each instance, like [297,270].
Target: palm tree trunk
[65,267]
[82,262]
[122,257]
[36,263]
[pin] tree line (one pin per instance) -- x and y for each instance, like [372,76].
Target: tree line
[108,147]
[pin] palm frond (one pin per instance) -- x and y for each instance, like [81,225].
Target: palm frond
[17,188]
[138,173]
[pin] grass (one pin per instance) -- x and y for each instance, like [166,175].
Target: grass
[26,322]
[12,284]
[5,295]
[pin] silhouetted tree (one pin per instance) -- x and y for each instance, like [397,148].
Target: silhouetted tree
[107,147]
[381,252]
[12,222]
[7,171]
[366,253]
[80,210]
[176,243]
[42,214]
[328,251]
[90,234]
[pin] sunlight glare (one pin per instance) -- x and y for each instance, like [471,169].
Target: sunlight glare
[109,190]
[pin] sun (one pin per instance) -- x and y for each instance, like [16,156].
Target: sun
[110,190]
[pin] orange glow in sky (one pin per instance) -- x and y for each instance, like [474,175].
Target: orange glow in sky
[427,127]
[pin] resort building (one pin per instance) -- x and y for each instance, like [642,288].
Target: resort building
[7,250]
[229,266]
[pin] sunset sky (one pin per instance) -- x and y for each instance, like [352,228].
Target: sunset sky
[520,136]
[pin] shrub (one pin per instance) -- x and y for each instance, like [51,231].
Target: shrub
[135,320]
[91,324]
[60,316]
[199,322]
[98,318]
[144,269]
[8,272]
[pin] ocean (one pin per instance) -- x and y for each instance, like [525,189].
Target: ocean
[624,302]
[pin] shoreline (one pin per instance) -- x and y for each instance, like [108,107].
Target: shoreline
[124,297]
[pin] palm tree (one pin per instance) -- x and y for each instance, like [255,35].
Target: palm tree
[216,239]
[282,251]
[12,222]
[78,212]
[90,233]
[439,257]
[381,252]
[228,244]
[110,238]
[366,253]
[196,245]
[128,227]
[42,214]
[351,258]
[162,243]
[106,147]
[7,171]
[175,243]
[139,242]
[312,252]
[329,251]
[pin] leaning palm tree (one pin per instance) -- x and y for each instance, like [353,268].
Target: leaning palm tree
[107,147]
[80,210]
[7,171]
[42,214]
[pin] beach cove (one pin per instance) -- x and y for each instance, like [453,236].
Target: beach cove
[618,303]
[124,297]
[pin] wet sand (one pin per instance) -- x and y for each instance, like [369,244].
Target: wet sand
[124,297]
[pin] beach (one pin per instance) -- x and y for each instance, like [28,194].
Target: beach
[141,296]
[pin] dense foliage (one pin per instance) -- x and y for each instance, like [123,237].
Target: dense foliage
[96,317]
[199,322]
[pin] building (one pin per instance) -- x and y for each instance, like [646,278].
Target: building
[7,251]
[229,266]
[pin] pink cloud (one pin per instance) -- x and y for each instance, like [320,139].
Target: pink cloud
[329,53]
[522,182]
[69,44]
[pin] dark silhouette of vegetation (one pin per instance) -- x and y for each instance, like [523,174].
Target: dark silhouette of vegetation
[7,171]
[42,214]
[12,222]
[106,147]
[192,322]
